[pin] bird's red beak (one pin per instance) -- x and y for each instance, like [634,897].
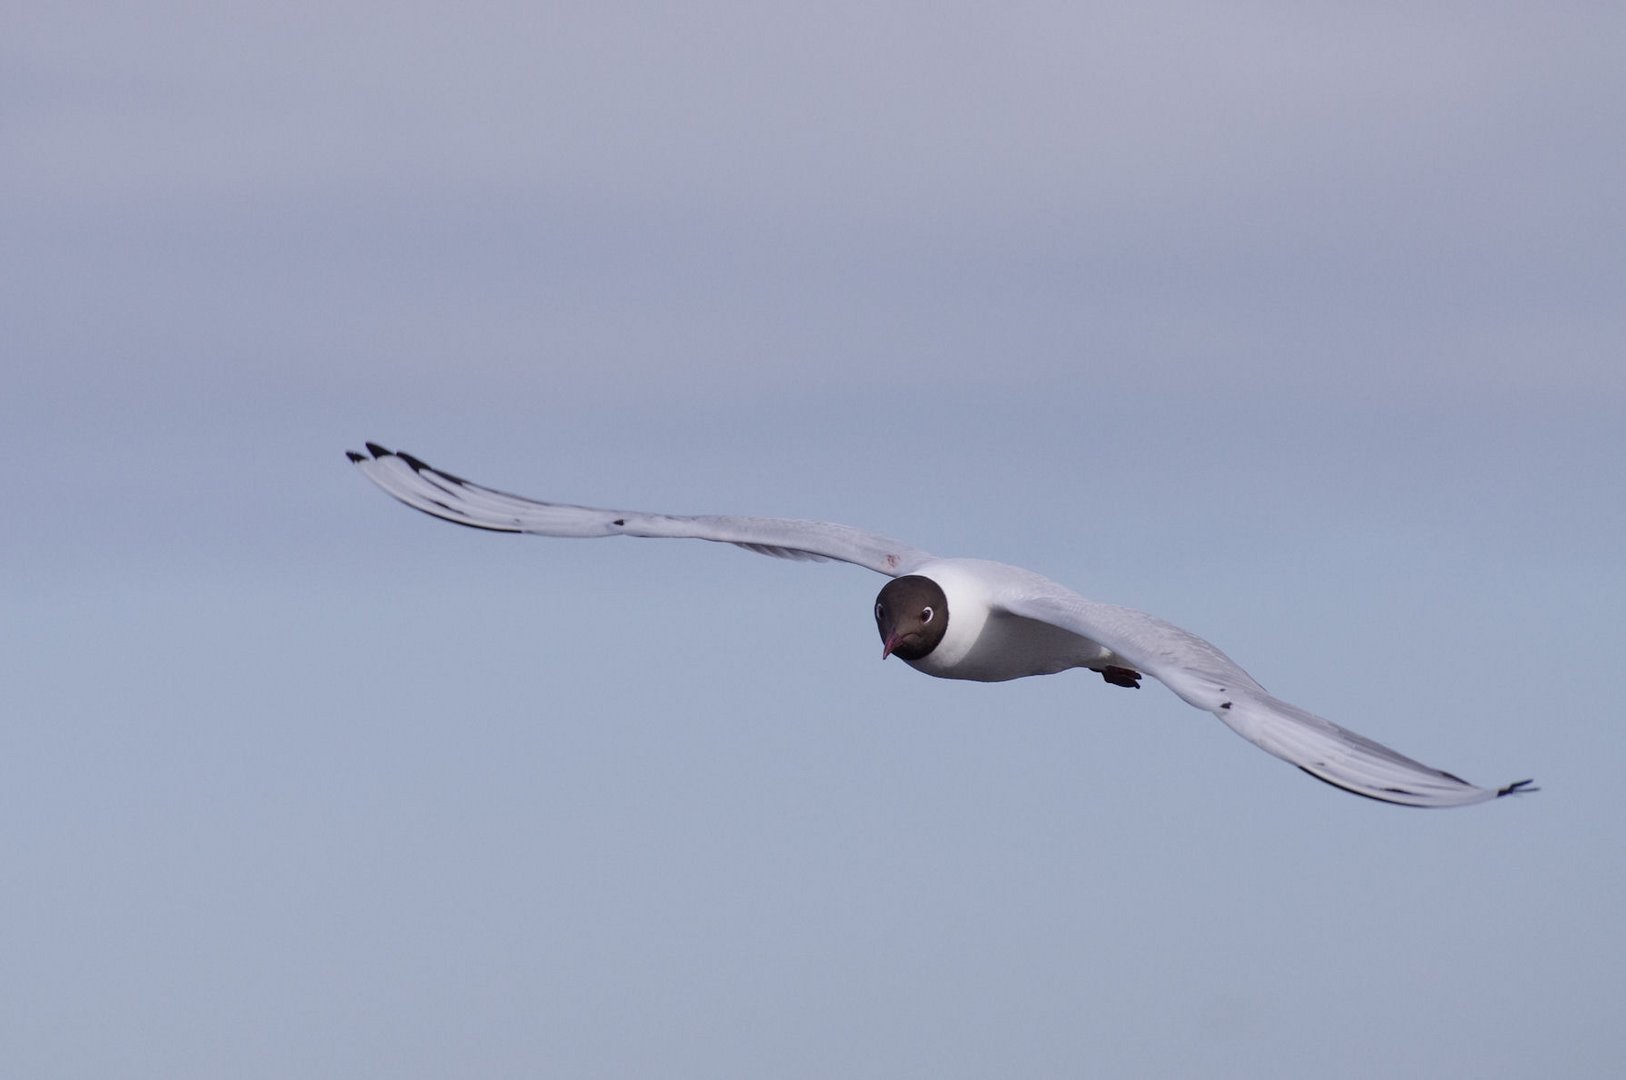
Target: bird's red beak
[892,642]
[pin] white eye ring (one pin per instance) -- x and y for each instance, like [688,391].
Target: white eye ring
[926,615]
[880,612]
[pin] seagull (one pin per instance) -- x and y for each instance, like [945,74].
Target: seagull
[978,620]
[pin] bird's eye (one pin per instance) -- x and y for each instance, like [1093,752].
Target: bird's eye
[926,615]
[880,612]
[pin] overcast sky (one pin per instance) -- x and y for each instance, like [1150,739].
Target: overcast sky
[1299,325]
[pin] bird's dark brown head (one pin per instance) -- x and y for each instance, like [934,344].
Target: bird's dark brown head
[912,614]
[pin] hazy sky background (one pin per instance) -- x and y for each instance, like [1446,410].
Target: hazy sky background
[1300,325]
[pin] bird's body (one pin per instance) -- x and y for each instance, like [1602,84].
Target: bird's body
[986,642]
[976,620]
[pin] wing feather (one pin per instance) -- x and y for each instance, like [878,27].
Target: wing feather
[452,498]
[1204,676]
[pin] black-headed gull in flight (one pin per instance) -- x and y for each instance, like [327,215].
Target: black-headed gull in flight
[978,620]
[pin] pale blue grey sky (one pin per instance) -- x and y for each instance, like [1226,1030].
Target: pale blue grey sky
[1300,325]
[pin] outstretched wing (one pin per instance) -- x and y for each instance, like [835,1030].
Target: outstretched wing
[1204,676]
[443,495]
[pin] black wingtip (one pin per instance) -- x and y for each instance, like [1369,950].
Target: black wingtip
[415,464]
[1518,787]
[378,451]
[356,458]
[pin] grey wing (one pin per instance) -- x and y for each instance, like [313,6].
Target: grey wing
[452,498]
[1204,676]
